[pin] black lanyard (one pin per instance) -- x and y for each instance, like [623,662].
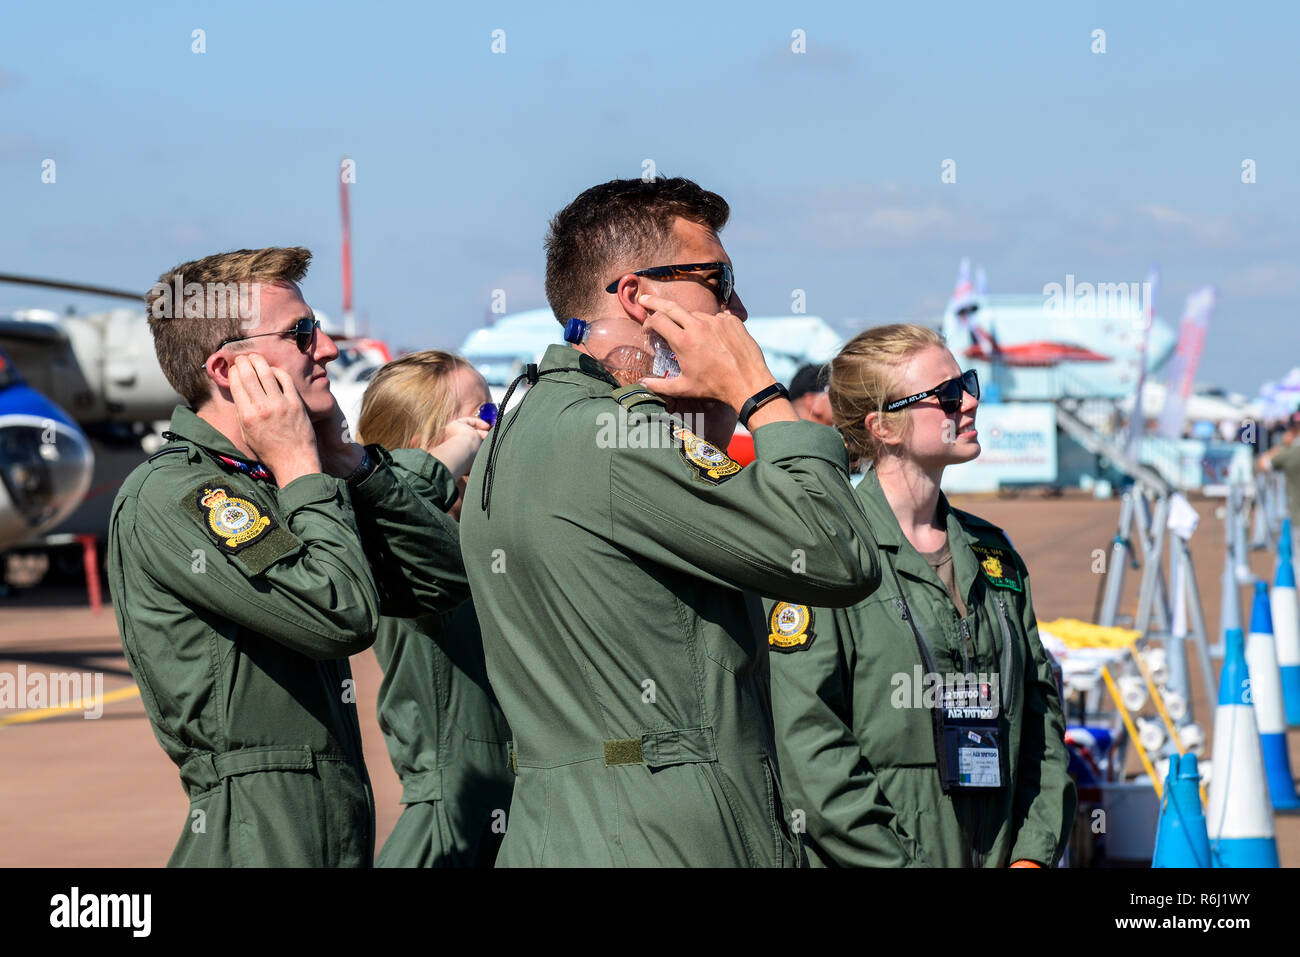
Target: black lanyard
[532,375]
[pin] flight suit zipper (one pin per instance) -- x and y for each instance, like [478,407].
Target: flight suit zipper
[967,808]
[1008,676]
[1007,680]
[976,804]
[968,644]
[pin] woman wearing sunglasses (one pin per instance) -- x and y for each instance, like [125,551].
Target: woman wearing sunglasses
[445,733]
[921,727]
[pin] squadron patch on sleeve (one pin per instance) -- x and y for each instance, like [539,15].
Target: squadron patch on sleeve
[791,628]
[236,522]
[999,567]
[249,534]
[710,463]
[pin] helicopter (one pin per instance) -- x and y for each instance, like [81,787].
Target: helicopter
[83,401]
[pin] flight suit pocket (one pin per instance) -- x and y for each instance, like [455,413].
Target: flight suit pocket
[788,847]
[277,808]
[735,651]
[737,838]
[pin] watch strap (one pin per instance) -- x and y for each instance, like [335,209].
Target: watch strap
[369,462]
[761,398]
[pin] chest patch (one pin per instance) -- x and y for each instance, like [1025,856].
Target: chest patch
[999,567]
[710,463]
[790,628]
[235,522]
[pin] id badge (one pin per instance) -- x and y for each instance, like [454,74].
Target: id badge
[970,756]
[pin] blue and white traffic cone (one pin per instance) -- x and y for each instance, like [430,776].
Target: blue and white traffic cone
[1239,820]
[1181,836]
[1270,714]
[1286,627]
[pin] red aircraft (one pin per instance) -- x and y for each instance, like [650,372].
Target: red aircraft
[984,345]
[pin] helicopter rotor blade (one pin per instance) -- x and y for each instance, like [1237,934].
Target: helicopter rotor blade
[72,287]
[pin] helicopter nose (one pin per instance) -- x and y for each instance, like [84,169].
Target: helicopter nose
[45,465]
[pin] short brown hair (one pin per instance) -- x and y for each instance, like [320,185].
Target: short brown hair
[410,396]
[620,224]
[184,346]
[865,378]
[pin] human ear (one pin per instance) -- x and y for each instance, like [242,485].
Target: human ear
[878,429]
[218,368]
[629,289]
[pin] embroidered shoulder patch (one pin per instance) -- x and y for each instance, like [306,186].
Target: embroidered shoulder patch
[790,628]
[239,527]
[236,522]
[999,567]
[711,464]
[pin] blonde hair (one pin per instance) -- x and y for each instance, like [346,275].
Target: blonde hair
[410,396]
[865,378]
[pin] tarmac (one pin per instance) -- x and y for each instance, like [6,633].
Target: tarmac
[100,792]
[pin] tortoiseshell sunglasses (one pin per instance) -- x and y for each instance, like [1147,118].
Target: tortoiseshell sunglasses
[726,284]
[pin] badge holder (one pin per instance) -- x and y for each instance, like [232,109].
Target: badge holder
[966,729]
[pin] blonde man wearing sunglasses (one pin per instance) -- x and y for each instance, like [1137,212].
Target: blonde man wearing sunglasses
[921,727]
[253,553]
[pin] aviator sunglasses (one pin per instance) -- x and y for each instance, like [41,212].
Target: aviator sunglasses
[947,392]
[303,331]
[726,280]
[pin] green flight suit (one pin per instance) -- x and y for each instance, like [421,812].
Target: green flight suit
[239,603]
[856,742]
[616,576]
[1287,461]
[448,741]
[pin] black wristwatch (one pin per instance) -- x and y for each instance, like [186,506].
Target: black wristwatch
[366,466]
[759,399]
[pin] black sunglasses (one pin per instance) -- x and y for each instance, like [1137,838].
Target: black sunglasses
[947,392]
[303,331]
[726,282]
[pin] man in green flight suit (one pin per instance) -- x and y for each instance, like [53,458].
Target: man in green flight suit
[253,553]
[1284,457]
[616,553]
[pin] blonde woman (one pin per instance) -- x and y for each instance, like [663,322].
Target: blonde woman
[922,726]
[446,735]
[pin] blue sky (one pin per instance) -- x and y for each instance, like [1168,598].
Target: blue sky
[1067,161]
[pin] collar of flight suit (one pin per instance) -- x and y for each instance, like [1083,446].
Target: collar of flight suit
[186,424]
[889,534]
[564,362]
